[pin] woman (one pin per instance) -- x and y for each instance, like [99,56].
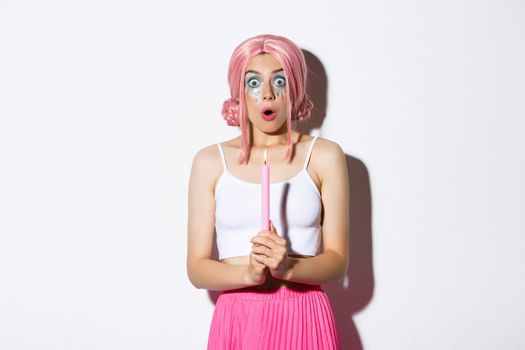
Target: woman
[270,279]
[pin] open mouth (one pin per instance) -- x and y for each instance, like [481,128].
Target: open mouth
[268,114]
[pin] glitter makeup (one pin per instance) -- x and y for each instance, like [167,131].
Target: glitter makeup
[279,82]
[254,87]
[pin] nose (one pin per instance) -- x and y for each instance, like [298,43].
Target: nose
[268,94]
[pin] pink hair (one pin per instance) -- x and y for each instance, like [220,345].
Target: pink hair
[292,60]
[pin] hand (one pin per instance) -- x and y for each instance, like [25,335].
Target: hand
[271,250]
[256,271]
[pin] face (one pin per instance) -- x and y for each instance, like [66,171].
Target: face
[265,93]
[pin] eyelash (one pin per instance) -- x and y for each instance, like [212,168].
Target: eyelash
[282,78]
[253,79]
[274,80]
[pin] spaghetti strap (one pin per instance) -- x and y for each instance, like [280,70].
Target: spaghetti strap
[222,157]
[309,152]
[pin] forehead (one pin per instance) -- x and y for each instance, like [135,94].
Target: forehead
[264,62]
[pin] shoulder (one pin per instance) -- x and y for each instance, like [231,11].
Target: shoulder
[325,148]
[327,156]
[210,155]
[207,156]
[207,165]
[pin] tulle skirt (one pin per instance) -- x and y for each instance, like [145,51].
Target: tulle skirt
[294,317]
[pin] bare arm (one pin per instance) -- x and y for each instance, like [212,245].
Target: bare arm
[331,264]
[203,271]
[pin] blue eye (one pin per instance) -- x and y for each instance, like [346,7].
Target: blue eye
[253,82]
[279,81]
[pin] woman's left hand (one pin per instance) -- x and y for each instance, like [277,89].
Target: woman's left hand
[271,250]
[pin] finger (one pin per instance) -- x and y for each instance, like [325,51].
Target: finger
[262,250]
[260,259]
[273,231]
[252,241]
[266,241]
[280,241]
[276,238]
[271,240]
[255,262]
[271,263]
[272,228]
[270,231]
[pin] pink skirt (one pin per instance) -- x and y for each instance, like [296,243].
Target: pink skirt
[295,317]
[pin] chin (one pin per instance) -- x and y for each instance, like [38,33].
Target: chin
[270,127]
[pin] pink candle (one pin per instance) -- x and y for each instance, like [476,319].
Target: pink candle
[265,195]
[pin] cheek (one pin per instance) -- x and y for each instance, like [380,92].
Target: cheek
[250,103]
[279,91]
[250,100]
[254,93]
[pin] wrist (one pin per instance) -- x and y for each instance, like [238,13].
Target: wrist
[247,276]
[288,274]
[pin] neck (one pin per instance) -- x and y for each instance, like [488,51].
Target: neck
[261,139]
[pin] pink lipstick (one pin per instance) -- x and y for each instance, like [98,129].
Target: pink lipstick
[268,114]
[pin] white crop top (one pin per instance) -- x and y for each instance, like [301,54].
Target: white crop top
[295,211]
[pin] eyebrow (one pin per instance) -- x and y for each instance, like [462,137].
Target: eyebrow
[254,71]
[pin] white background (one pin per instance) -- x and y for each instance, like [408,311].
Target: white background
[103,105]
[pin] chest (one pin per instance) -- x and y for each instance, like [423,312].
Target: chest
[293,203]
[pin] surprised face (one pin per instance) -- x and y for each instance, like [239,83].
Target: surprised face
[265,93]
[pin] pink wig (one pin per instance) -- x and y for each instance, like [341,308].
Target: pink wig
[292,60]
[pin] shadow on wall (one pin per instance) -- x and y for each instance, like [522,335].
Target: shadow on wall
[347,298]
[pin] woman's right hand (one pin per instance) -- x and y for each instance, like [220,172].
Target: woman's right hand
[256,270]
